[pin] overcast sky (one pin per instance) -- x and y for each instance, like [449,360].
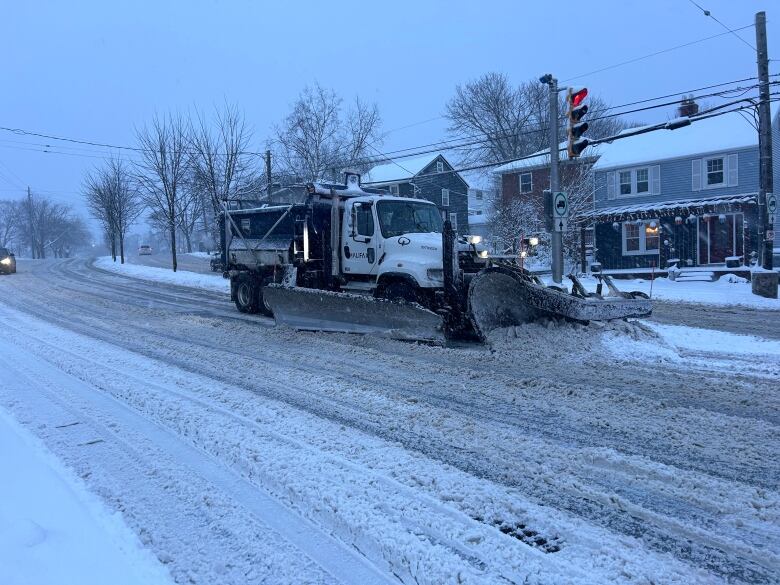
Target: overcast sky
[96,70]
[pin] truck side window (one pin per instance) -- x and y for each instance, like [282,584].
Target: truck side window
[364,219]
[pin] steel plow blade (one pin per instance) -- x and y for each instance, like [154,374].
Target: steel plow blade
[501,298]
[318,310]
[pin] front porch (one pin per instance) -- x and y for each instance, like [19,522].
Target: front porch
[719,234]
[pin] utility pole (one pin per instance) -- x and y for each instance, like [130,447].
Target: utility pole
[30,219]
[268,181]
[765,184]
[556,235]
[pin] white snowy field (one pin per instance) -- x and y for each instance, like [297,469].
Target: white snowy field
[242,453]
[53,530]
[212,282]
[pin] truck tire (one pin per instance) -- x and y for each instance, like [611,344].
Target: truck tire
[262,306]
[399,290]
[246,295]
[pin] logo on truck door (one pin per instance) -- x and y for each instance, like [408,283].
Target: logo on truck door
[404,241]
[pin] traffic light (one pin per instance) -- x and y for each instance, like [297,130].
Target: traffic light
[577,127]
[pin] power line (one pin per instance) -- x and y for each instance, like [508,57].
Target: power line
[661,52]
[712,16]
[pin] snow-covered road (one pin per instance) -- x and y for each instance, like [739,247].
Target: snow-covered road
[242,453]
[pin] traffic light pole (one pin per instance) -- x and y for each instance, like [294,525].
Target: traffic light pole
[557,235]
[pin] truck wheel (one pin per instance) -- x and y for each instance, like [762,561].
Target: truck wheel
[246,296]
[262,306]
[402,291]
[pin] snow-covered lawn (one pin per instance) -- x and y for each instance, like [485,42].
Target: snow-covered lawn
[213,282]
[53,531]
[722,292]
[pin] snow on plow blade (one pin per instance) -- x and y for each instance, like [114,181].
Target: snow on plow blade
[318,310]
[499,297]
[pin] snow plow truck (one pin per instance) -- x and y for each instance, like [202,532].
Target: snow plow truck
[354,259]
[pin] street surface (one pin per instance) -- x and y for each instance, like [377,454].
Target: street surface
[243,453]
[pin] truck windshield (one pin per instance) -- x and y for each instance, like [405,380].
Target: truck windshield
[407,217]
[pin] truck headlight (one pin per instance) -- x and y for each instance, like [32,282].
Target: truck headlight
[533,241]
[436,274]
[474,239]
[5,261]
[482,254]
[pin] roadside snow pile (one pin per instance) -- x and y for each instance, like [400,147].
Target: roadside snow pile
[199,254]
[53,531]
[211,282]
[552,339]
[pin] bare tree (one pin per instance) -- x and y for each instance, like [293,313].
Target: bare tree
[113,199]
[502,122]
[189,212]
[221,164]
[318,139]
[163,169]
[10,223]
[49,227]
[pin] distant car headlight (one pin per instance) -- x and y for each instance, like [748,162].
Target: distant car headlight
[474,239]
[5,261]
[436,274]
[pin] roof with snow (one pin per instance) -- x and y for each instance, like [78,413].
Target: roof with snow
[400,170]
[536,159]
[726,132]
[656,207]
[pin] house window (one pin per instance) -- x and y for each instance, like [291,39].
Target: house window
[393,189]
[439,166]
[454,221]
[642,181]
[445,197]
[715,171]
[478,194]
[641,237]
[526,183]
[625,182]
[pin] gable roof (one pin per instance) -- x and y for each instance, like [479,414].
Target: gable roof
[401,170]
[540,158]
[726,132]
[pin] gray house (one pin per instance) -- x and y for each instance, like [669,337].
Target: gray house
[428,177]
[686,197]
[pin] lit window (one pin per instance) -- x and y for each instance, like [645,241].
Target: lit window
[642,182]
[445,197]
[526,182]
[641,237]
[715,171]
[625,182]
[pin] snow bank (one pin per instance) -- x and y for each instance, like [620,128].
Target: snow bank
[53,531]
[729,290]
[211,282]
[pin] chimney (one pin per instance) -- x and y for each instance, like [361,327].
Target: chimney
[688,107]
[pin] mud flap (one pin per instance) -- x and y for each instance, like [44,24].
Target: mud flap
[499,297]
[318,310]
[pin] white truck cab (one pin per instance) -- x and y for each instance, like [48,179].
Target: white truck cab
[387,238]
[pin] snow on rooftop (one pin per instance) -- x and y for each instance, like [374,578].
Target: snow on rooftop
[536,159]
[725,132]
[398,170]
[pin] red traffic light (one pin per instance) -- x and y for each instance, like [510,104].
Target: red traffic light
[577,97]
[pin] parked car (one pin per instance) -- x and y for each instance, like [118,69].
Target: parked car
[7,261]
[145,250]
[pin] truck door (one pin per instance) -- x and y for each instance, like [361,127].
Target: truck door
[358,244]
